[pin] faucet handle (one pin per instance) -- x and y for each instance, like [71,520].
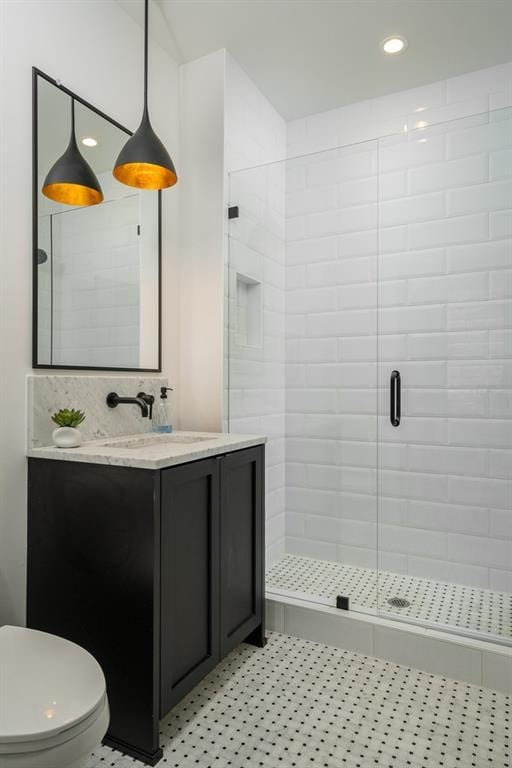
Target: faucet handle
[149,400]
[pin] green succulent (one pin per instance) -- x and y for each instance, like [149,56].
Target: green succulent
[68,417]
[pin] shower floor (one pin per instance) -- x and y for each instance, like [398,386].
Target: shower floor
[453,605]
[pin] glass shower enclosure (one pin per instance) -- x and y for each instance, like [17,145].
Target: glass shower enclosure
[369,335]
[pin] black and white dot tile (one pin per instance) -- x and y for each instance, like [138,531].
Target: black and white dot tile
[297,703]
[454,605]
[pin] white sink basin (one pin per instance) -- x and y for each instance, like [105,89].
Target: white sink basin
[152,440]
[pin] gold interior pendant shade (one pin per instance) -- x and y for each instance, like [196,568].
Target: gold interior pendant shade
[145,176]
[72,194]
[71,180]
[144,162]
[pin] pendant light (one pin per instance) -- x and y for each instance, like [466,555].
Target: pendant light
[144,161]
[71,180]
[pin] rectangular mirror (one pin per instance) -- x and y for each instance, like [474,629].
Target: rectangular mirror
[96,267]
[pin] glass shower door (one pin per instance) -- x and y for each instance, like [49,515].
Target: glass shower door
[445,376]
[301,340]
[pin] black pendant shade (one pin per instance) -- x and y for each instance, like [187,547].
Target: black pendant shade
[144,161]
[71,180]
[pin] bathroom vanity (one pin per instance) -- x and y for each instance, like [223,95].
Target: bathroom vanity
[148,552]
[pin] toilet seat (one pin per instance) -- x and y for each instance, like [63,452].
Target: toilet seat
[70,749]
[51,692]
[58,739]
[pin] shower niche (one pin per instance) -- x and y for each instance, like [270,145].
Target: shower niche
[248,311]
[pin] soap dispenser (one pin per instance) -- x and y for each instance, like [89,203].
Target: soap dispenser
[162,416]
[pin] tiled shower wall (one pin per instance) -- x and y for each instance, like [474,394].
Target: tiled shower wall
[440,199]
[254,344]
[445,290]
[445,287]
[257,330]
[331,355]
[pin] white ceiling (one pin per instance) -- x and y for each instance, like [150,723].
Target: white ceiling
[307,56]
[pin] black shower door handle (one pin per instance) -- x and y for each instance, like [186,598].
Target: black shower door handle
[395,400]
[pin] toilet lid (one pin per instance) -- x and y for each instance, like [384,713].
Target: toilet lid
[47,684]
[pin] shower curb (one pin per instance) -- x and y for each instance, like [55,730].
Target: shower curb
[441,653]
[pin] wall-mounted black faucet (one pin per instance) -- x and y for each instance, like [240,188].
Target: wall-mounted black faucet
[145,402]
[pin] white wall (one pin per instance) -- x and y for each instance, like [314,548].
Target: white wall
[96,50]
[441,200]
[201,242]
[254,132]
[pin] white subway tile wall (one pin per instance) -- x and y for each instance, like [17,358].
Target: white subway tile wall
[257,360]
[432,305]
[397,253]
[255,284]
[468,95]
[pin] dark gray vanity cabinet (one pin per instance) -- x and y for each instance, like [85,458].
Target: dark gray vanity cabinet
[158,573]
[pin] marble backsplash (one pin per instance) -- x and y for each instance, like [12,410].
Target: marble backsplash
[48,394]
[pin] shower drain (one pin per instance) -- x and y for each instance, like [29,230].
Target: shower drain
[398,602]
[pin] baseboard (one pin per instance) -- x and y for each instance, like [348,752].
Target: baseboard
[145,757]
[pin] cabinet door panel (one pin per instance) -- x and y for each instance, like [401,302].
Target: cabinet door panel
[190,582]
[241,536]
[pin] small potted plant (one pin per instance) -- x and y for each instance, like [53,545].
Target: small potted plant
[67,435]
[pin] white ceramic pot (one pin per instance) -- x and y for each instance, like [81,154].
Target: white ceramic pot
[67,437]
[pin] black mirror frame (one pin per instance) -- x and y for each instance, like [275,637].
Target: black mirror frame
[37,73]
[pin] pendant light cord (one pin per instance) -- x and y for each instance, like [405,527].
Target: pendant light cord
[73,135]
[146,24]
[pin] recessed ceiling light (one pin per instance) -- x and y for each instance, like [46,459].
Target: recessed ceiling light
[394,44]
[88,141]
[421,124]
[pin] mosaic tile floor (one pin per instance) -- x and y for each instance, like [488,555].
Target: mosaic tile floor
[297,703]
[470,608]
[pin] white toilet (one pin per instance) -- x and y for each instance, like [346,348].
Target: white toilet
[53,701]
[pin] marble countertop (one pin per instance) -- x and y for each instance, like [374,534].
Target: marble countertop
[150,450]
